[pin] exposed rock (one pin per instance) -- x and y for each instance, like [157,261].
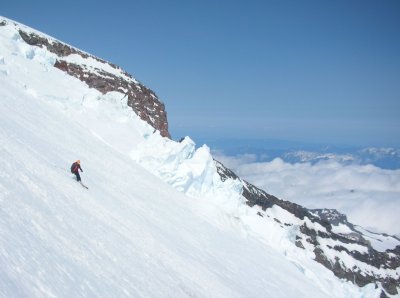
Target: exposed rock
[142,100]
[326,218]
[224,172]
[383,295]
[390,285]
[330,215]
[298,242]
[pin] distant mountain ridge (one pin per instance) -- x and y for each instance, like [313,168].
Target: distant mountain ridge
[386,158]
[297,152]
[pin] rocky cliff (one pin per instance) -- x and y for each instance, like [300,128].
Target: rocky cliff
[104,77]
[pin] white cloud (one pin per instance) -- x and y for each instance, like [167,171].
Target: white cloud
[368,195]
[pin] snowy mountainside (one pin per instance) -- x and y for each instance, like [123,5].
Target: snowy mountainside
[132,234]
[98,74]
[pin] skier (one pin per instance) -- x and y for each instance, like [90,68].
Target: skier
[76,166]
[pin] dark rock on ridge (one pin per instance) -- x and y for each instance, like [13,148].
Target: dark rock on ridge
[142,100]
[327,218]
[331,215]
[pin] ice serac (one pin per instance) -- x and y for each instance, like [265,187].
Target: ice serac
[105,77]
[349,251]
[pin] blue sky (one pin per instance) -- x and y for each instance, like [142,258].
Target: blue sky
[316,71]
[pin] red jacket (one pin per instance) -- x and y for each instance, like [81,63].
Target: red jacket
[75,167]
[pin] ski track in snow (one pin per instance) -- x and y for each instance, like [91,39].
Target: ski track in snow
[131,234]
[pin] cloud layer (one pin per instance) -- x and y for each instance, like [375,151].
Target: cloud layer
[368,195]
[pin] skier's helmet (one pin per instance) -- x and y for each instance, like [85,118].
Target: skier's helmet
[78,161]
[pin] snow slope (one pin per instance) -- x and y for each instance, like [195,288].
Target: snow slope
[131,234]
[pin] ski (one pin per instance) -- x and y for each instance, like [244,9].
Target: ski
[83,185]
